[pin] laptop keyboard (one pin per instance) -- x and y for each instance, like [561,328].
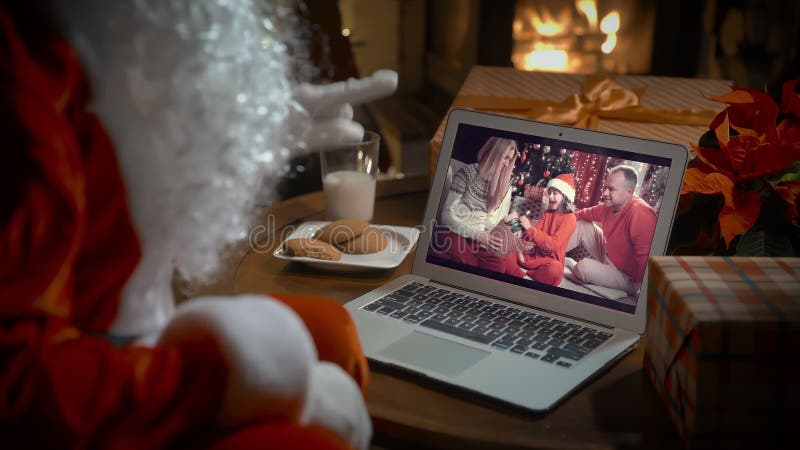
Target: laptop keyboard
[499,326]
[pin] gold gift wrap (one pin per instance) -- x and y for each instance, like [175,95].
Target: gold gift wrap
[662,108]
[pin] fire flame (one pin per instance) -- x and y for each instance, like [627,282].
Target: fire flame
[610,25]
[589,9]
[609,44]
[546,25]
[550,44]
[547,59]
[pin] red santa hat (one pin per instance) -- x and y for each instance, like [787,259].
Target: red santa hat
[565,183]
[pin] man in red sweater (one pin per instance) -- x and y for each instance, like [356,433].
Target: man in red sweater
[617,234]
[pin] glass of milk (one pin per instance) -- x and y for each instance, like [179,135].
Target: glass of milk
[348,178]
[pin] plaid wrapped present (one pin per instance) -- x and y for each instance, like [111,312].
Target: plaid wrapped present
[723,347]
[662,108]
[530,203]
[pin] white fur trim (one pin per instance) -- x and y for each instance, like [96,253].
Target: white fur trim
[335,402]
[565,188]
[267,347]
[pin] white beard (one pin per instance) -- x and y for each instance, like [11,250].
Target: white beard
[196,96]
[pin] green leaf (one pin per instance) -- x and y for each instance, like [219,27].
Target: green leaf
[789,177]
[764,243]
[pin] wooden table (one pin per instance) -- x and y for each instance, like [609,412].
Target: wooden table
[620,409]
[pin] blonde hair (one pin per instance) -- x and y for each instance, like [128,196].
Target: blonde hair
[492,168]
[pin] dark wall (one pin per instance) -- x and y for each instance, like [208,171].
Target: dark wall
[676,38]
[494,29]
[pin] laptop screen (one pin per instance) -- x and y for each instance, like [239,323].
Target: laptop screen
[566,218]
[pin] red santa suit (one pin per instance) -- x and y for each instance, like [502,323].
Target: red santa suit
[69,246]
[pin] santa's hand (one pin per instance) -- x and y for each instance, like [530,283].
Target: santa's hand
[266,346]
[330,106]
[335,402]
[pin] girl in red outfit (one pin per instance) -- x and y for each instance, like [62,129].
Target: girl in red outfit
[550,235]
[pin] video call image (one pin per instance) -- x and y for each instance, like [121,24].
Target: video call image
[565,218]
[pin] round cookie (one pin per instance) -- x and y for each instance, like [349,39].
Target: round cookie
[342,230]
[370,241]
[312,248]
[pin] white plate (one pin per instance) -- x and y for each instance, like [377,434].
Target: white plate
[401,241]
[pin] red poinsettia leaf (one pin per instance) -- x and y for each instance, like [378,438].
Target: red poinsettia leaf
[716,159]
[789,130]
[693,177]
[718,119]
[767,159]
[741,153]
[723,131]
[750,109]
[790,101]
[790,193]
[701,165]
[719,159]
[735,96]
[747,132]
[702,182]
[737,219]
[740,209]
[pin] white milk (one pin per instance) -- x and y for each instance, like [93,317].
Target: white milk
[349,195]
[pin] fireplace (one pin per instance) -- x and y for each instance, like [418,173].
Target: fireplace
[433,44]
[583,36]
[575,36]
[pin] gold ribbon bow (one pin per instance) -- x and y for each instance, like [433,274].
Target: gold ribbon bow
[601,97]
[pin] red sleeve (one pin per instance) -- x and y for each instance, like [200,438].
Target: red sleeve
[67,247]
[85,392]
[555,243]
[593,214]
[642,226]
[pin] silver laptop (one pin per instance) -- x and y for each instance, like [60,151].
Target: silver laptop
[505,335]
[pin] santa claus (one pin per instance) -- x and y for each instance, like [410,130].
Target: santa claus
[137,135]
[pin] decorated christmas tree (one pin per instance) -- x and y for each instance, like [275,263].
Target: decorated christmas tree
[537,164]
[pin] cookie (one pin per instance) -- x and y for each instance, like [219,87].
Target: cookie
[312,248]
[342,230]
[370,241]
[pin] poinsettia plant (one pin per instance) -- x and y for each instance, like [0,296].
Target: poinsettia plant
[748,170]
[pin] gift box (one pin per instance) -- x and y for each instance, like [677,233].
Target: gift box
[723,348]
[662,108]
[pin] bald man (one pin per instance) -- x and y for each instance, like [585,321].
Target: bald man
[617,233]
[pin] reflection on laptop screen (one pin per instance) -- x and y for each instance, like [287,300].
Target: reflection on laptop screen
[570,219]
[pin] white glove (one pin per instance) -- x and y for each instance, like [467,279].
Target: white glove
[330,106]
[267,348]
[335,403]
[274,369]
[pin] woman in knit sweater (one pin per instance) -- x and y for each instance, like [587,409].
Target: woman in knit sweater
[478,198]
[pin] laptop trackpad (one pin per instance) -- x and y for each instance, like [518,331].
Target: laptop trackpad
[434,354]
